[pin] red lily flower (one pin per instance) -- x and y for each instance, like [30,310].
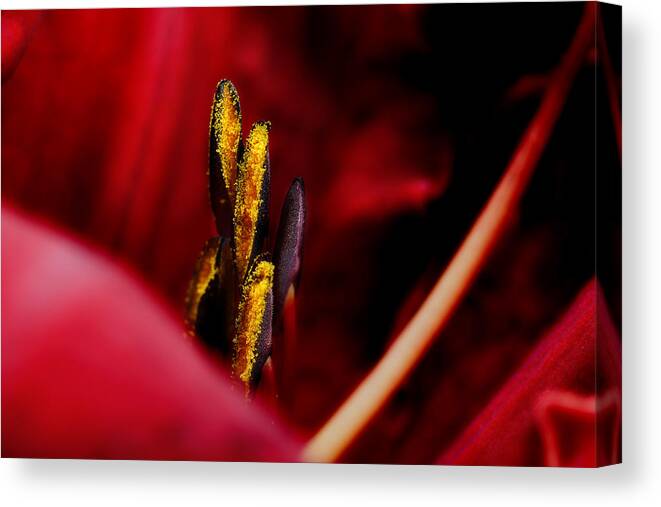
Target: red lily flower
[400,137]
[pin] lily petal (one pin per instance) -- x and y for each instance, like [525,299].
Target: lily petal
[564,359]
[94,367]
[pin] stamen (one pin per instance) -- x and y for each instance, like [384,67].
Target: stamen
[205,271]
[225,139]
[288,251]
[252,343]
[285,339]
[251,208]
[229,304]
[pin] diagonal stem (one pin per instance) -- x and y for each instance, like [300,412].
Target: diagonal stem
[405,352]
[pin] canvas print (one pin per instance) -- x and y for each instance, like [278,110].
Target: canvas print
[329,234]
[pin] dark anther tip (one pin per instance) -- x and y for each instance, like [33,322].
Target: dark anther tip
[288,254]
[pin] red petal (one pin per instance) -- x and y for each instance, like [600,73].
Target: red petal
[505,432]
[568,423]
[94,367]
[17,27]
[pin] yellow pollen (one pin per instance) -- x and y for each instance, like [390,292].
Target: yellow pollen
[250,319]
[249,198]
[227,130]
[205,271]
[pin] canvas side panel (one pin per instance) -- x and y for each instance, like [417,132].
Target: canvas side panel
[608,176]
